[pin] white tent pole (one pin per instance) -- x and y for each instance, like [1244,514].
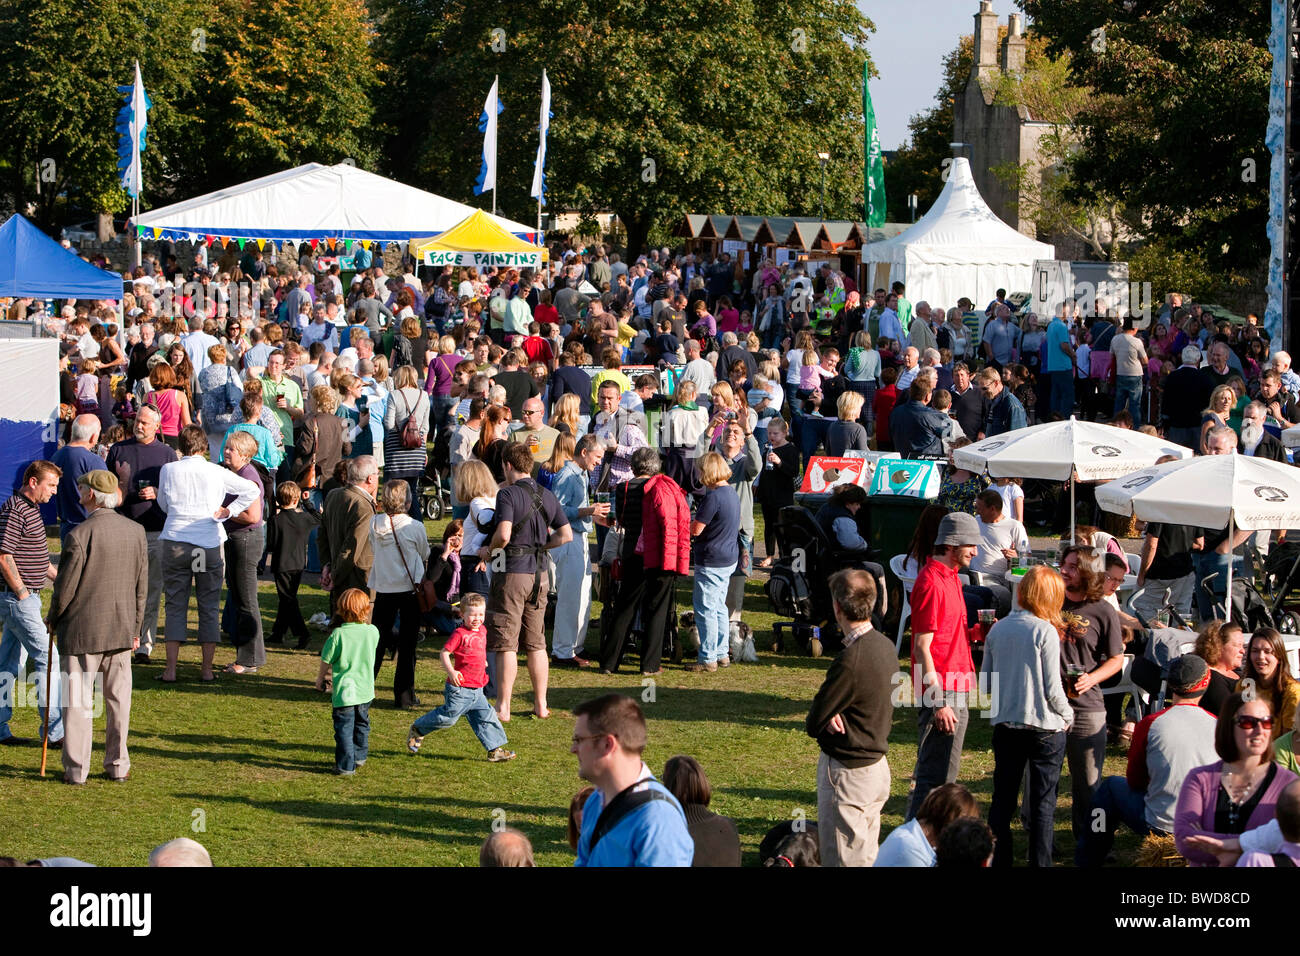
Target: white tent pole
[1072,509]
[1228,602]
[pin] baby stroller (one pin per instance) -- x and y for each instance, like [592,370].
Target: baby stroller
[1248,606]
[799,584]
[1281,576]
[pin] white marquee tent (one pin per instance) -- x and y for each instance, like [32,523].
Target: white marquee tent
[314,202]
[958,248]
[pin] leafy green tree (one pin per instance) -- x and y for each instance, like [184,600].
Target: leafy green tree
[660,109]
[1183,109]
[286,82]
[60,66]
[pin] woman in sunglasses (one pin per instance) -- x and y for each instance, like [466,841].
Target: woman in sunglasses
[1267,671]
[1239,792]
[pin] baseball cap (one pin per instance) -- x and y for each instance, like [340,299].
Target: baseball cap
[1188,675]
[957,529]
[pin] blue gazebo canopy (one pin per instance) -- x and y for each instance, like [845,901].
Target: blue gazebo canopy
[32,265]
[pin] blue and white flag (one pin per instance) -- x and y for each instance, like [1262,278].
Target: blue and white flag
[539,170]
[132,124]
[487,125]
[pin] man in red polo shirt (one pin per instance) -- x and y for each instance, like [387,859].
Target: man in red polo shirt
[942,670]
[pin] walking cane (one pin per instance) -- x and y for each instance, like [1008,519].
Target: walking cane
[45,730]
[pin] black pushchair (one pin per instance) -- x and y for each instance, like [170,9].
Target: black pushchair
[799,584]
[1281,577]
[1248,606]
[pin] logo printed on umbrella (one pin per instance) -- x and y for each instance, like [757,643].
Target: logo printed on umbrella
[1105,451]
[991,445]
[1269,493]
[1138,482]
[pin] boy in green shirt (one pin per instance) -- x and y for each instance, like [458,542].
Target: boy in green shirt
[350,651]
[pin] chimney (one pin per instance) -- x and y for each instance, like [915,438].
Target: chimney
[1013,47]
[986,39]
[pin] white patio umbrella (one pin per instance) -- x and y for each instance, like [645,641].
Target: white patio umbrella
[1066,451]
[1211,491]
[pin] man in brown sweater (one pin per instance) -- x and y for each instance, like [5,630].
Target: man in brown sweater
[96,611]
[850,719]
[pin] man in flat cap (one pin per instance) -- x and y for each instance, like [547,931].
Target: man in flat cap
[96,612]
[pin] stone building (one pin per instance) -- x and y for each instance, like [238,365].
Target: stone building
[995,135]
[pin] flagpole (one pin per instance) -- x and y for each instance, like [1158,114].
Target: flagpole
[1227,609]
[495,80]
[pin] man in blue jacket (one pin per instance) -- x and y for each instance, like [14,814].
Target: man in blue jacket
[631,819]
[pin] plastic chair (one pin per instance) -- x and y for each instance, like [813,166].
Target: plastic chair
[1126,686]
[896,565]
[1134,562]
[1292,645]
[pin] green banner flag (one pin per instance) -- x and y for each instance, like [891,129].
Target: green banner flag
[873,164]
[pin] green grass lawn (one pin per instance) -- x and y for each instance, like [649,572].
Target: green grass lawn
[244,765]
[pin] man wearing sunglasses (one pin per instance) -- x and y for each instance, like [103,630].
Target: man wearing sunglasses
[536,434]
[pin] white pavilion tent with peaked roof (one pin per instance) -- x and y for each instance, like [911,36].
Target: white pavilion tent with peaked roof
[315,202]
[959,247]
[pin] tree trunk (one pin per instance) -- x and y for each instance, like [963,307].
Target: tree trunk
[638,232]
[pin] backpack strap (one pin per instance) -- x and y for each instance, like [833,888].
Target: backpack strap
[618,808]
[1282,860]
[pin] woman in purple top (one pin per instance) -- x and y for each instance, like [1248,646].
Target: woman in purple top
[245,541]
[441,378]
[1239,792]
[728,316]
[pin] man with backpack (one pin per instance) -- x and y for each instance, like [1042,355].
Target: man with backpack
[631,819]
[529,522]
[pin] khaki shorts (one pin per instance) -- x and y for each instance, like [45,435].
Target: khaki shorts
[511,620]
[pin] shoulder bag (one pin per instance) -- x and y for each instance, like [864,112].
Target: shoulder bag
[426,598]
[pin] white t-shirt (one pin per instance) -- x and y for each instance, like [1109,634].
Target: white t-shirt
[482,509]
[994,538]
[795,358]
[1010,492]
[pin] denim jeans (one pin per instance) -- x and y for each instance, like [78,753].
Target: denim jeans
[1041,750]
[470,703]
[351,736]
[572,597]
[1207,563]
[24,628]
[1085,750]
[1118,803]
[710,600]
[938,755]
[1128,393]
[1062,393]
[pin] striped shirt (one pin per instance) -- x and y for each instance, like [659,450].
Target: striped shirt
[22,535]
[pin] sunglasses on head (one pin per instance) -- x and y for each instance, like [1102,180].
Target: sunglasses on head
[1250,723]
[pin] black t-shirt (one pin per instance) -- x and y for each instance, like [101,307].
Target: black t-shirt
[1095,641]
[288,532]
[530,526]
[519,388]
[1173,557]
[143,463]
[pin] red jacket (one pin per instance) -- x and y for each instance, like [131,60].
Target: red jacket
[665,526]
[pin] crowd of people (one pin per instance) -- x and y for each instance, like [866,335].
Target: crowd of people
[253,415]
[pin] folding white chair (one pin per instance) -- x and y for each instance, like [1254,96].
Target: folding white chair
[897,565]
[1126,686]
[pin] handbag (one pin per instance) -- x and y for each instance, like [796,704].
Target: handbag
[411,436]
[426,598]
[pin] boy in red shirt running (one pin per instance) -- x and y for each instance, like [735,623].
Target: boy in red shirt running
[464,657]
